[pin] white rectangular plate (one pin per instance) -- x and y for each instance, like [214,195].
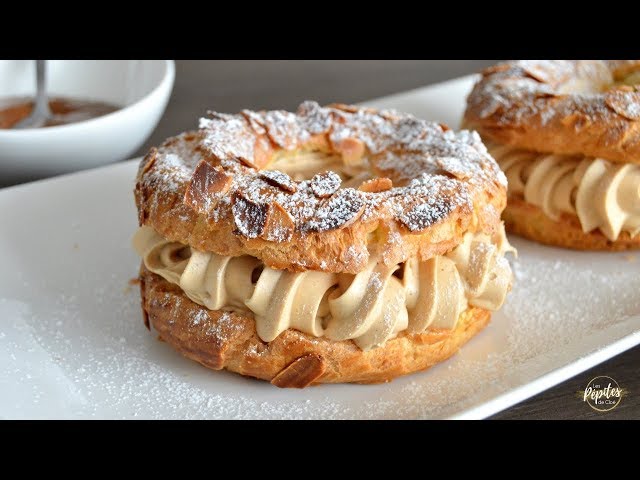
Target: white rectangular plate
[72,342]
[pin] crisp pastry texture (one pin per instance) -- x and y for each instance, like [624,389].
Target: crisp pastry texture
[567,135]
[570,107]
[369,308]
[334,244]
[221,339]
[376,185]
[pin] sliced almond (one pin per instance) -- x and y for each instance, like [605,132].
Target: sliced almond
[376,185]
[250,217]
[283,129]
[624,103]
[302,372]
[314,119]
[255,120]
[279,179]
[219,116]
[489,106]
[150,159]
[536,72]
[344,107]
[262,152]
[453,167]
[280,225]
[501,67]
[207,183]
[423,215]
[325,184]
[339,211]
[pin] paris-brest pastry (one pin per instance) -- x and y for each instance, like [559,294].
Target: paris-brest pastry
[567,135]
[334,244]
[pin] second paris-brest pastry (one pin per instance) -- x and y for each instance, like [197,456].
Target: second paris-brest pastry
[334,244]
[567,135]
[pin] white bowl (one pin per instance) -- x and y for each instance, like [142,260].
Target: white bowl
[141,87]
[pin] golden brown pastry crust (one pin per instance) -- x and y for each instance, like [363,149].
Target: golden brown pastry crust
[208,189]
[227,340]
[557,106]
[529,221]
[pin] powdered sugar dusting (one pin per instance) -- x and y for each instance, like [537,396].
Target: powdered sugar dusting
[375,283]
[626,104]
[339,210]
[452,168]
[314,118]
[526,90]
[423,215]
[426,209]
[356,255]
[170,173]
[325,184]
[223,327]
[283,129]
[200,317]
[279,179]
[235,139]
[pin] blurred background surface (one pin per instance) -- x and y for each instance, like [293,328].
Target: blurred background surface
[231,85]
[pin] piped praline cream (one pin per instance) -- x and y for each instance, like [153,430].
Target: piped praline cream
[603,195]
[368,308]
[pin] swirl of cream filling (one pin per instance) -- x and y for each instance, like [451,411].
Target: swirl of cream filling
[603,195]
[368,308]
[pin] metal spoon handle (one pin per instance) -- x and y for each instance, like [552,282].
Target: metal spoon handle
[40,112]
[41,105]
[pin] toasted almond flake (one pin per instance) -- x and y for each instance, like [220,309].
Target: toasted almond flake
[208,183]
[279,226]
[339,211]
[255,121]
[279,179]
[407,149]
[515,92]
[325,184]
[150,160]
[302,372]
[536,71]
[624,103]
[250,217]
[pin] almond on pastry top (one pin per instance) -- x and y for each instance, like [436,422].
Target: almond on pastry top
[277,185]
[569,107]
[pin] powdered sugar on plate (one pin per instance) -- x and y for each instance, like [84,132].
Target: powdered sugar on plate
[117,369]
